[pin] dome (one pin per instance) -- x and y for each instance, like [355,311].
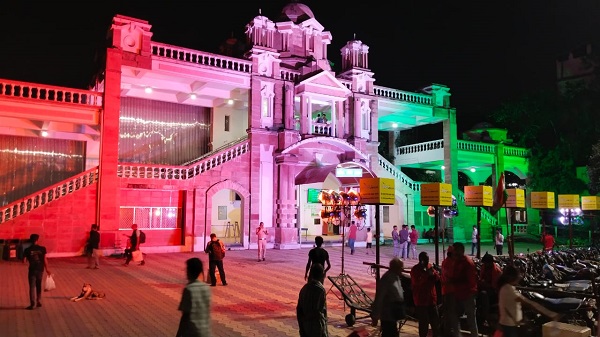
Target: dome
[296,12]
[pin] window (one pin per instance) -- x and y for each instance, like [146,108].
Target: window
[226,123]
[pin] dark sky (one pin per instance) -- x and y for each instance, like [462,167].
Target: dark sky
[485,51]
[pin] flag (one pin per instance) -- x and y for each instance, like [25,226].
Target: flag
[500,196]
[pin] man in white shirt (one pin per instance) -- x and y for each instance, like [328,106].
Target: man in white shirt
[474,239]
[499,240]
[262,234]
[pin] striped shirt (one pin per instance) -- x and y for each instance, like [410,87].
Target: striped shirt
[311,310]
[196,301]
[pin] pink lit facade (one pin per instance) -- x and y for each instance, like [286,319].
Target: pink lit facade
[185,143]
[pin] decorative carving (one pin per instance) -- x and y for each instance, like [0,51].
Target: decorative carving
[265,64]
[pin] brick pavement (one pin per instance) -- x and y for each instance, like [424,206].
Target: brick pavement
[142,300]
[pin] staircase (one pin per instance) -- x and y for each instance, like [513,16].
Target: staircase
[196,167]
[45,196]
[89,177]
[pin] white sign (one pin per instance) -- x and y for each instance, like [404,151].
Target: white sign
[341,172]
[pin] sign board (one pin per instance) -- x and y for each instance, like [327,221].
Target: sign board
[436,194]
[516,198]
[478,196]
[377,191]
[342,172]
[568,201]
[590,203]
[542,200]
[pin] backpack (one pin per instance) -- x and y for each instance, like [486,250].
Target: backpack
[218,250]
[142,237]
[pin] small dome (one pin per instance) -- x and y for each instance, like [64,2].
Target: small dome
[296,12]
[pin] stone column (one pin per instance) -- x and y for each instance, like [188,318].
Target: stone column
[286,233]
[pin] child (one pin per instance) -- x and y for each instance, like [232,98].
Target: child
[369,240]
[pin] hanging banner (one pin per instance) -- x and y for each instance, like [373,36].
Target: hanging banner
[478,196]
[542,200]
[568,201]
[377,191]
[590,203]
[436,194]
[516,198]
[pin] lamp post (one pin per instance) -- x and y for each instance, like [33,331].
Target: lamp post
[338,204]
[570,214]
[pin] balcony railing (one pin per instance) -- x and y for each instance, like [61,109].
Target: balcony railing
[462,145]
[48,93]
[403,178]
[406,96]
[49,194]
[184,172]
[199,57]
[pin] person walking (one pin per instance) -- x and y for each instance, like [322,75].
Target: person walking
[216,253]
[388,292]
[463,278]
[499,241]
[92,247]
[396,241]
[317,255]
[404,241]
[311,310]
[134,240]
[369,240]
[195,303]
[423,279]
[510,300]
[262,235]
[474,240]
[413,237]
[352,237]
[38,262]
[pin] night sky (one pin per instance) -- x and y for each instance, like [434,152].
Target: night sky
[485,51]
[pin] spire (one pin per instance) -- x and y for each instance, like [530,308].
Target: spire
[259,11]
[354,38]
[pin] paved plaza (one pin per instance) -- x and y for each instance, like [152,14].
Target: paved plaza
[260,299]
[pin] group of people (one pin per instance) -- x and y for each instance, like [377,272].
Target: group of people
[461,283]
[405,242]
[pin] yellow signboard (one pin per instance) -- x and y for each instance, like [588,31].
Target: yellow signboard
[436,194]
[568,201]
[542,200]
[377,191]
[516,198]
[590,203]
[478,196]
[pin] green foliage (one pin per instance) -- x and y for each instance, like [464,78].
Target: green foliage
[554,170]
[593,169]
[559,131]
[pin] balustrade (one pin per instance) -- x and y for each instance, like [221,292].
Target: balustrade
[411,97]
[49,93]
[403,178]
[198,57]
[53,192]
[183,172]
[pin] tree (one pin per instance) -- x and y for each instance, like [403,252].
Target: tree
[593,169]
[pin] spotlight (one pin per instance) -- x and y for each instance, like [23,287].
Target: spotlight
[148,90]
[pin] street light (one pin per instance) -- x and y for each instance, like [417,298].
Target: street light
[570,214]
[338,204]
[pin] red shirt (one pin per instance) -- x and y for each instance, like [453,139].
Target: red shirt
[414,236]
[489,275]
[423,285]
[447,266]
[548,241]
[463,277]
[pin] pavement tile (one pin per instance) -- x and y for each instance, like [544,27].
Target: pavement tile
[260,299]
